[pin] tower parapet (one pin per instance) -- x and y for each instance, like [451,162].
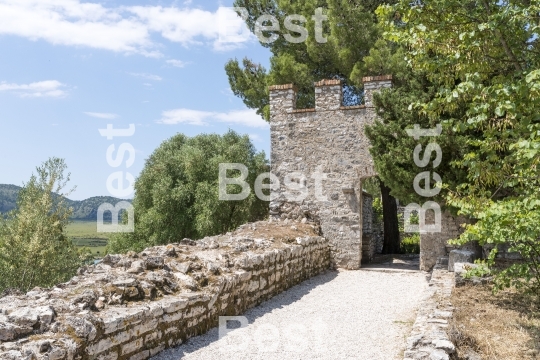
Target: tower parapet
[373,84]
[282,98]
[328,95]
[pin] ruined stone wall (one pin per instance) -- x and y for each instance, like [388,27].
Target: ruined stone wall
[328,139]
[503,252]
[136,305]
[435,245]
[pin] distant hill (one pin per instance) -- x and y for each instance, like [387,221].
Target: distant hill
[8,197]
[82,209]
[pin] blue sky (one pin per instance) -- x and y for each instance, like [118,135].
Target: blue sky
[70,68]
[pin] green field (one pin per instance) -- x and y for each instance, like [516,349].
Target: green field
[84,234]
[85,229]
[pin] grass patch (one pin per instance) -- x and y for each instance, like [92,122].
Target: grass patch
[84,230]
[501,326]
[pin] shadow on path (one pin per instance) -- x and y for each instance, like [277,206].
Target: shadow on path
[394,262]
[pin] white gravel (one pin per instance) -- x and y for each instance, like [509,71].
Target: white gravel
[337,315]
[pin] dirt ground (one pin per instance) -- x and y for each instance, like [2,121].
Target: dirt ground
[494,327]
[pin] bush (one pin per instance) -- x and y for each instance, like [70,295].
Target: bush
[34,251]
[516,224]
[177,193]
[411,244]
[377,210]
[481,270]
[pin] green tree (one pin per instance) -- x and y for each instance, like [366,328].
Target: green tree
[351,32]
[392,148]
[34,250]
[176,194]
[353,49]
[483,57]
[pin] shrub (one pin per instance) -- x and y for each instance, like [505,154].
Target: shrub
[480,270]
[34,251]
[411,244]
[377,210]
[515,223]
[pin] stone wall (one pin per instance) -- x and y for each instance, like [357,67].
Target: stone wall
[435,245]
[330,140]
[429,336]
[503,252]
[134,306]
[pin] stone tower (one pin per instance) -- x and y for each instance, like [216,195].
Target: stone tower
[325,151]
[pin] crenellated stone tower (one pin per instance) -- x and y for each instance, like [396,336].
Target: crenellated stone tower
[326,151]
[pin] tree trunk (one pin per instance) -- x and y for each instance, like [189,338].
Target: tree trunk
[390,219]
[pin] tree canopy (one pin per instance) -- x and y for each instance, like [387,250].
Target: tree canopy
[351,32]
[483,59]
[177,191]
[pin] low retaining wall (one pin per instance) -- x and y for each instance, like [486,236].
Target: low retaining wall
[134,306]
[429,338]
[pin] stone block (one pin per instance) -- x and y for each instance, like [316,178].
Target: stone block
[444,345]
[443,261]
[460,256]
[110,356]
[132,346]
[143,355]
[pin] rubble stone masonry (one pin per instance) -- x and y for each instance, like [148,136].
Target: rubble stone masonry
[330,140]
[136,305]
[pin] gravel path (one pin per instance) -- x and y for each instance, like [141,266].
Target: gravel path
[341,315]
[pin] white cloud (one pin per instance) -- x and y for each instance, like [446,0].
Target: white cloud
[126,29]
[48,88]
[72,23]
[147,76]
[177,63]
[184,116]
[243,117]
[246,117]
[102,115]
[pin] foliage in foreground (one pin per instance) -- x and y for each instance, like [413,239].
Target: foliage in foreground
[177,192]
[483,58]
[34,251]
